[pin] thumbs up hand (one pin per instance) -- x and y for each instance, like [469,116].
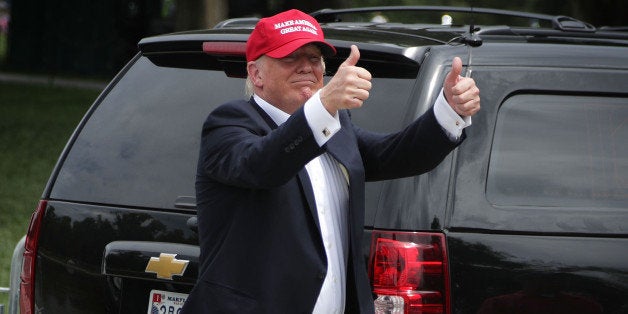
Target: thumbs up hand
[460,92]
[349,87]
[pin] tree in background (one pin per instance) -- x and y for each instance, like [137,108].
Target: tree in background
[98,37]
[596,12]
[198,14]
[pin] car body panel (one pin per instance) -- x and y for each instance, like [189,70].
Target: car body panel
[80,267]
[515,273]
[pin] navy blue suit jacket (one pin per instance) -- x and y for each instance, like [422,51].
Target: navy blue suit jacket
[261,248]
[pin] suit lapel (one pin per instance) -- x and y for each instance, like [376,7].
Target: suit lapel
[308,192]
[302,176]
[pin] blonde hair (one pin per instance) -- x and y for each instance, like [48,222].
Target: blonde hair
[249,88]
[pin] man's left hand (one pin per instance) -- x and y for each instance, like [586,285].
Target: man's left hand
[460,92]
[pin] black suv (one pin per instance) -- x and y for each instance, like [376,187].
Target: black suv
[528,215]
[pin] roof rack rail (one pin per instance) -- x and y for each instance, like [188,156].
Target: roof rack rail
[614,28]
[561,22]
[237,22]
[332,15]
[566,23]
[600,34]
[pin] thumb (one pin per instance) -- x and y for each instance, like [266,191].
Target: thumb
[454,75]
[353,57]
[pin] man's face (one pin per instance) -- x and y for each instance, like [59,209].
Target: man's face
[288,82]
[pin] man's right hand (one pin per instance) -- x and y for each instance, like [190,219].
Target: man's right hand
[349,87]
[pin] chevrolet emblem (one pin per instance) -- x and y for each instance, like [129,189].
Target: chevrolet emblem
[166,265]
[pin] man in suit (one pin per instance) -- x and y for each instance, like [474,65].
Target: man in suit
[280,181]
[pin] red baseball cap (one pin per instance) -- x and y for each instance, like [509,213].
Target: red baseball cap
[280,35]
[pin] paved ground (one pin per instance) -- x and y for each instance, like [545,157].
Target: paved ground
[51,80]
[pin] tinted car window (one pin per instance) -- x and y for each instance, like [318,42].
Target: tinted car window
[560,151]
[140,145]
[387,107]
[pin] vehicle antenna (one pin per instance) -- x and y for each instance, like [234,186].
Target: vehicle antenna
[472,40]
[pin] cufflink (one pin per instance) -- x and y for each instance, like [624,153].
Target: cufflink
[326,132]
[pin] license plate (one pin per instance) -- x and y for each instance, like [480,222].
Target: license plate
[165,302]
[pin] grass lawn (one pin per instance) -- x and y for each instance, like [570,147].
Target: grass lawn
[35,124]
[3,47]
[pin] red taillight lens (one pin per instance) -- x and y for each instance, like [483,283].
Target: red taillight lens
[225,48]
[409,272]
[27,285]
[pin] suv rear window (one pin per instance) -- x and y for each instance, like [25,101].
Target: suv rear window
[560,151]
[140,146]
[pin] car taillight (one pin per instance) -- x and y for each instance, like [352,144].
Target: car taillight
[409,272]
[225,48]
[27,284]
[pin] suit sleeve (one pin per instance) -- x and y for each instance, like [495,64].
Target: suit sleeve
[414,150]
[238,148]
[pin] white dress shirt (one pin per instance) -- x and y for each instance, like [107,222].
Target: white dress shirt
[331,193]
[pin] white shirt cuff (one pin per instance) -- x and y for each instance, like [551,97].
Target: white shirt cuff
[448,119]
[323,125]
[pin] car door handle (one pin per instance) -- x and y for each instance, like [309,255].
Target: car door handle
[185,202]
